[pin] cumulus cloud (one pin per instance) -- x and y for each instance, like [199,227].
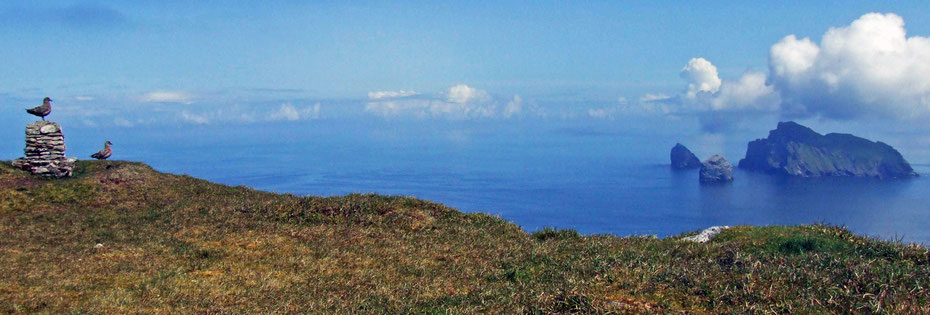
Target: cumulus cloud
[390,94]
[289,112]
[396,108]
[715,102]
[249,114]
[462,94]
[609,112]
[514,107]
[603,112]
[649,97]
[194,118]
[701,76]
[458,102]
[286,112]
[870,68]
[749,93]
[647,105]
[166,97]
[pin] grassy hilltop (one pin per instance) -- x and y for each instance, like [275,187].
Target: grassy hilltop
[174,243]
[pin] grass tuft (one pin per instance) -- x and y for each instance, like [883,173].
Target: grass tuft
[548,233]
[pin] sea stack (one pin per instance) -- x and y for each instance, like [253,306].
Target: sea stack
[45,151]
[716,169]
[682,158]
[795,150]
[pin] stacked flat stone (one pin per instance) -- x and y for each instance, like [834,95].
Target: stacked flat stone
[45,151]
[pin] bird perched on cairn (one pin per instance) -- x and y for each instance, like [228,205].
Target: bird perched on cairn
[42,110]
[105,153]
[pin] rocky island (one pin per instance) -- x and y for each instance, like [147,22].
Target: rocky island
[795,150]
[716,169]
[682,158]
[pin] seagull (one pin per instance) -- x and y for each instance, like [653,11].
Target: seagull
[42,110]
[103,154]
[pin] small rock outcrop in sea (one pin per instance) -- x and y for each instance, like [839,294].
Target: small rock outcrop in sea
[45,151]
[682,158]
[795,150]
[716,169]
[706,234]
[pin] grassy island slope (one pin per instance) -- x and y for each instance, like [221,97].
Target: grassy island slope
[172,243]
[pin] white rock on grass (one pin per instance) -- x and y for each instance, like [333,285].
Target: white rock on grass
[706,234]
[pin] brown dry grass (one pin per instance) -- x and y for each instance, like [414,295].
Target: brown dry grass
[175,244]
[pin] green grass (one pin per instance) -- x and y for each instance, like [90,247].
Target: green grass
[177,244]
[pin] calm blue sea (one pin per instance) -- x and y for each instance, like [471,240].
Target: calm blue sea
[594,179]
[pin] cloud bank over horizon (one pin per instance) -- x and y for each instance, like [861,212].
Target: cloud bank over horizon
[868,69]
[459,102]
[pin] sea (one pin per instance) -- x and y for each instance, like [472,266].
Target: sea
[601,179]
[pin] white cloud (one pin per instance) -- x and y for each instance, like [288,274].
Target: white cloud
[701,76]
[649,97]
[286,112]
[462,94]
[246,118]
[84,98]
[89,123]
[749,93]
[241,114]
[312,112]
[194,118]
[603,112]
[514,107]
[414,107]
[122,122]
[166,97]
[791,56]
[458,102]
[291,113]
[390,94]
[869,68]
[709,93]
[715,101]
[609,112]
[462,110]
[649,104]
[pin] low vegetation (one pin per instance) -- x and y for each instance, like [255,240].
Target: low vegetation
[121,237]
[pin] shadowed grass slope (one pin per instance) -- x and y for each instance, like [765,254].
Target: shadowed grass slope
[172,243]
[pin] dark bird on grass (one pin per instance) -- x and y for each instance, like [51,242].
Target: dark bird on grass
[42,110]
[105,153]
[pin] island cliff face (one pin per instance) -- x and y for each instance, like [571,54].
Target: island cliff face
[795,150]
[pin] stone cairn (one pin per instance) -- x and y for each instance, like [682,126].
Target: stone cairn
[45,151]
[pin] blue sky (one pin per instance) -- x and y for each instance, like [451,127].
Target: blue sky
[203,62]
[334,50]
